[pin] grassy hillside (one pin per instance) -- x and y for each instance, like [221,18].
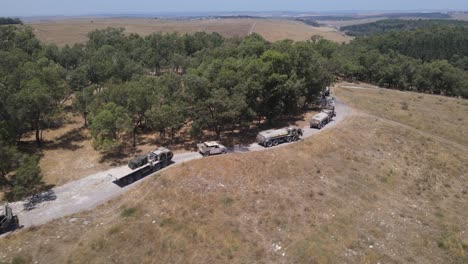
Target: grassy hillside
[365,191]
[438,115]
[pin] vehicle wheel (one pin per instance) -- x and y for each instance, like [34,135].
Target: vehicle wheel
[224,152]
[319,126]
[268,144]
[289,139]
[275,142]
[296,138]
[206,154]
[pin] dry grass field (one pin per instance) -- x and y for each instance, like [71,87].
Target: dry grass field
[364,192]
[460,16]
[439,115]
[71,31]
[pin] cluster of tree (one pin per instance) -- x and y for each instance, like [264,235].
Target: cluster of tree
[397,71]
[10,21]
[383,26]
[433,43]
[204,79]
[30,92]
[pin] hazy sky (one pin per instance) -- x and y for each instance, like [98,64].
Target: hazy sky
[84,7]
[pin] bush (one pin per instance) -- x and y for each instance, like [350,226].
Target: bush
[127,212]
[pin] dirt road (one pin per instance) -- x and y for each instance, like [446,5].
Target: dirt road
[88,192]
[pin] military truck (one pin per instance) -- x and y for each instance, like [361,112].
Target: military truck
[211,148]
[145,164]
[8,221]
[274,137]
[319,120]
[330,113]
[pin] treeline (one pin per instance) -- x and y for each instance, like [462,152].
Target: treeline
[431,15]
[427,44]
[383,26]
[10,21]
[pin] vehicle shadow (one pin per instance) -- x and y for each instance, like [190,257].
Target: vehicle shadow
[137,176]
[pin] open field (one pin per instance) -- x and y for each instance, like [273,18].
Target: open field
[439,115]
[71,31]
[460,15]
[365,191]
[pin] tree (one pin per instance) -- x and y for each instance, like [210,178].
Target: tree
[9,161]
[28,179]
[135,97]
[82,102]
[42,90]
[108,123]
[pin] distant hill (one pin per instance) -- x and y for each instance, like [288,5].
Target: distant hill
[435,15]
[386,25]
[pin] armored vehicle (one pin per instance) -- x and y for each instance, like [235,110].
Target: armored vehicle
[211,148]
[273,137]
[319,120]
[8,221]
[143,165]
[330,112]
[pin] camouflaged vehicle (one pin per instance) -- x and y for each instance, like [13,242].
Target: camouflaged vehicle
[211,148]
[274,137]
[144,165]
[330,113]
[8,221]
[319,120]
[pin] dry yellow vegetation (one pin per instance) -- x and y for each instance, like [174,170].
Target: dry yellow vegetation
[364,192]
[438,115]
[71,31]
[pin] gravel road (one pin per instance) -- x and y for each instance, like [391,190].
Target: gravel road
[95,189]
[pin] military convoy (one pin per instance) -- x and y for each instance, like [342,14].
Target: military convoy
[327,103]
[8,221]
[273,137]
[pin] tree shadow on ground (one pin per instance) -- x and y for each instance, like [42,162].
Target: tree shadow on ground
[36,199]
[119,156]
[68,140]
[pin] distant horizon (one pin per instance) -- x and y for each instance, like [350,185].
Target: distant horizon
[35,8]
[233,12]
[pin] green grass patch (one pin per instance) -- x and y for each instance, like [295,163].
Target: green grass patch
[127,212]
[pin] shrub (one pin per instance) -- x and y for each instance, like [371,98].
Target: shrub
[127,212]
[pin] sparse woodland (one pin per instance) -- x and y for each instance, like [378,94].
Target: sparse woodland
[123,83]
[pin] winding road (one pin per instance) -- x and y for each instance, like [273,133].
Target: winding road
[95,189]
